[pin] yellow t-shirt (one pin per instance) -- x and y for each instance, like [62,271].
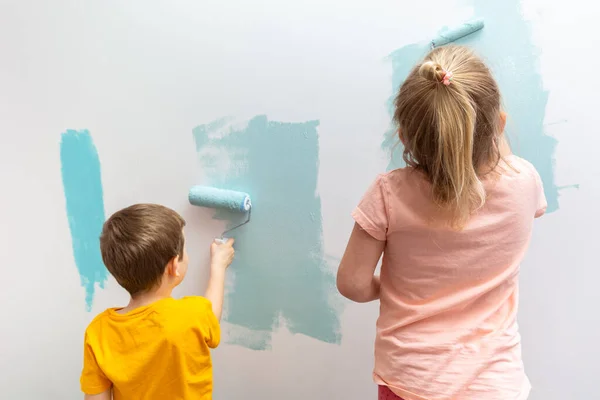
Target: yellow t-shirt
[157,352]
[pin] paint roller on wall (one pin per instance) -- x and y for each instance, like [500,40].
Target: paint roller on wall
[230,200]
[205,196]
[454,33]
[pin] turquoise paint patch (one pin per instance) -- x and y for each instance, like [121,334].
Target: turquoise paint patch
[82,184]
[514,61]
[248,338]
[280,267]
[403,60]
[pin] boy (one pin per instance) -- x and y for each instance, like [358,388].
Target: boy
[156,348]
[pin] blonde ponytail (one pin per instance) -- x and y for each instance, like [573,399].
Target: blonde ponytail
[448,115]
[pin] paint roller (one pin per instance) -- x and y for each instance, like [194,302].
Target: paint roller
[230,200]
[452,34]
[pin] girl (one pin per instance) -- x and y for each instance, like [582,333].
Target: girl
[453,227]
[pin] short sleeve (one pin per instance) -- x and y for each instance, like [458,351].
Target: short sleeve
[372,213]
[93,381]
[541,203]
[209,325]
[213,331]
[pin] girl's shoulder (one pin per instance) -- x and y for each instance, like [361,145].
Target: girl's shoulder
[516,166]
[400,181]
[402,174]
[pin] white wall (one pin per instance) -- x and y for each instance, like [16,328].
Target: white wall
[140,75]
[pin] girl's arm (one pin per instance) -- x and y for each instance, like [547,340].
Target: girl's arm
[356,279]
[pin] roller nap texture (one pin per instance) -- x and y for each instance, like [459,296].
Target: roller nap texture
[205,196]
[454,33]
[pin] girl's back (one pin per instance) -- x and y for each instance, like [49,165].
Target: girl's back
[453,227]
[447,327]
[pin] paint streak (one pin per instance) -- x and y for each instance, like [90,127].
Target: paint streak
[249,338]
[82,186]
[513,59]
[402,61]
[280,267]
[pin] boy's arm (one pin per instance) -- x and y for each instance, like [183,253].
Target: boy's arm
[101,396]
[221,256]
[93,379]
[215,291]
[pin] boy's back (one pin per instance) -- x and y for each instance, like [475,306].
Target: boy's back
[156,347]
[160,351]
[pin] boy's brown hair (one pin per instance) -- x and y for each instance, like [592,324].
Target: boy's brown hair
[138,242]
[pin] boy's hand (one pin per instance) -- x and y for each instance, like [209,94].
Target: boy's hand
[221,254]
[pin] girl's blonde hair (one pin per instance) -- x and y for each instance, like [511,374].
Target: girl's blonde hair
[448,114]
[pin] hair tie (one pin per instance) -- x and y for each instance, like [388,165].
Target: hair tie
[447,78]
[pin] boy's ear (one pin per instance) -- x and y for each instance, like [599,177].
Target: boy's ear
[173,267]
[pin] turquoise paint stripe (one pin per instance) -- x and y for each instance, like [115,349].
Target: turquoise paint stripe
[402,61]
[82,186]
[280,268]
[513,59]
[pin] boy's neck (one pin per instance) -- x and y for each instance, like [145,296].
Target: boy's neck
[145,299]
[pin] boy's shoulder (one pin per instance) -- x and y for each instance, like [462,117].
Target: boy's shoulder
[194,304]
[194,308]
[98,320]
[165,319]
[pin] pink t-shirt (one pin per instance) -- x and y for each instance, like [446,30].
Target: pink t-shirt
[447,328]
